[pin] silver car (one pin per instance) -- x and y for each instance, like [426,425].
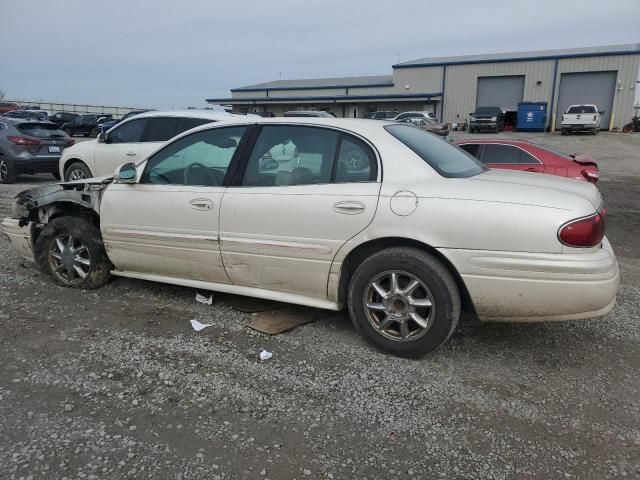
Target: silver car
[30,146]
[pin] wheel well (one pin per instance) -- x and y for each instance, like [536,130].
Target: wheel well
[69,162]
[365,250]
[62,209]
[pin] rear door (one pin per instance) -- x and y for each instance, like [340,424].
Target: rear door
[302,193]
[121,145]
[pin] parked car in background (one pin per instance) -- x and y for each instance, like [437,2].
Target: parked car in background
[39,114]
[130,140]
[486,119]
[8,106]
[428,125]
[307,113]
[581,118]
[530,157]
[28,146]
[406,244]
[113,122]
[82,125]
[416,115]
[382,115]
[19,114]
[60,118]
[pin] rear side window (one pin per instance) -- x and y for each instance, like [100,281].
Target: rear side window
[445,158]
[161,129]
[356,162]
[40,130]
[189,123]
[506,154]
[129,132]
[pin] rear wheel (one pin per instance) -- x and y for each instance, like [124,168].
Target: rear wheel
[94,133]
[7,171]
[71,250]
[77,171]
[68,132]
[404,301]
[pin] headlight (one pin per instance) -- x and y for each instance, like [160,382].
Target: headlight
[494,119]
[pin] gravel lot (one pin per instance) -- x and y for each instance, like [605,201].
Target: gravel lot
[115,384]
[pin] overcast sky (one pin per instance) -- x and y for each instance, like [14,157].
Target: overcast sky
[176,53]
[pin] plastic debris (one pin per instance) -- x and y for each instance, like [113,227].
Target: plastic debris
[197,326]
[264,355]
[202,299]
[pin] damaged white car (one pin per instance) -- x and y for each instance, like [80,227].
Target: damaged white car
[407,238]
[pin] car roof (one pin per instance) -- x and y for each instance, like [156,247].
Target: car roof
[192,113]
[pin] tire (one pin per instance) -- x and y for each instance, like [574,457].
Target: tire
[564,132]
[68,132]
[56,175]
[435,284]
[77,170]
[94,133]
[7,171]
[88,253]
[595,131]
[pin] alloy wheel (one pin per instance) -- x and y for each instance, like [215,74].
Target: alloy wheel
[76,174]
[69,259]
[399,306]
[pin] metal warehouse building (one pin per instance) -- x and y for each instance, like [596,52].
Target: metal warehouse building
[451,87]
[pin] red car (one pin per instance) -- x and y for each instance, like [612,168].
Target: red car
[529,157]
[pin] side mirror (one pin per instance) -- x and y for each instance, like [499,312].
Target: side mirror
[125,173]
[101,137]
[601,112]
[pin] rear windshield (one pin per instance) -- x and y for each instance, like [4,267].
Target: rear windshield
[487,110]
[41,130]
[445,158]
[553,150]
[582,109]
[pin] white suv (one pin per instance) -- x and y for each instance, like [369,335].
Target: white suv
[130,141]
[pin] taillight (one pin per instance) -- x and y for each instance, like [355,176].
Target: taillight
[584,232]
[23,140]
[591,175]
[70,142]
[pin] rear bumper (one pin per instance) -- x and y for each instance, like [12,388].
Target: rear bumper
[20,237]
[579,127]
[36,163]
[533,287]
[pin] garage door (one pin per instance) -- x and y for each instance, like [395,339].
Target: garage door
[505,92]
[587,87]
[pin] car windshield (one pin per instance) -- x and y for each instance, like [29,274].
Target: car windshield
[41,130]
[582,109]
[445,158]
[484,110]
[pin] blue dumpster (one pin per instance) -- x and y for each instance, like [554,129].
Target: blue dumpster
[532,116]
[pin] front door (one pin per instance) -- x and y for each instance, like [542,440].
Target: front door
[122,145]
[303,193]
[167,224]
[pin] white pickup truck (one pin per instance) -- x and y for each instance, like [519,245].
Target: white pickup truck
[581,118]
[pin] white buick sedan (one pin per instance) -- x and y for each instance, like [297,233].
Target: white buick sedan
[407,238]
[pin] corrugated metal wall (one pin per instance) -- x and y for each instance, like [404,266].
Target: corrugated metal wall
[462,84]
[627,68]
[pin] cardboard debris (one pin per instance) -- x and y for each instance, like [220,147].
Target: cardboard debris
[284,319]
[248,304]
[203,299]
[197,326]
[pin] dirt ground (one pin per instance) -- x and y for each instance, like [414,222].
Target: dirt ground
[114,383]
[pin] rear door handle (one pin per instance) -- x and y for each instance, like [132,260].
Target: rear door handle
[201,204]
[349,207]
[131,154]
[532,169]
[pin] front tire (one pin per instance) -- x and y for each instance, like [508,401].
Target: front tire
[70,249]
[404,301]
[77,171]
[7,171]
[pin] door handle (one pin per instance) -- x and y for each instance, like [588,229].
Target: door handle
[201,204]
[131,154]
[349,207]
[531,169]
